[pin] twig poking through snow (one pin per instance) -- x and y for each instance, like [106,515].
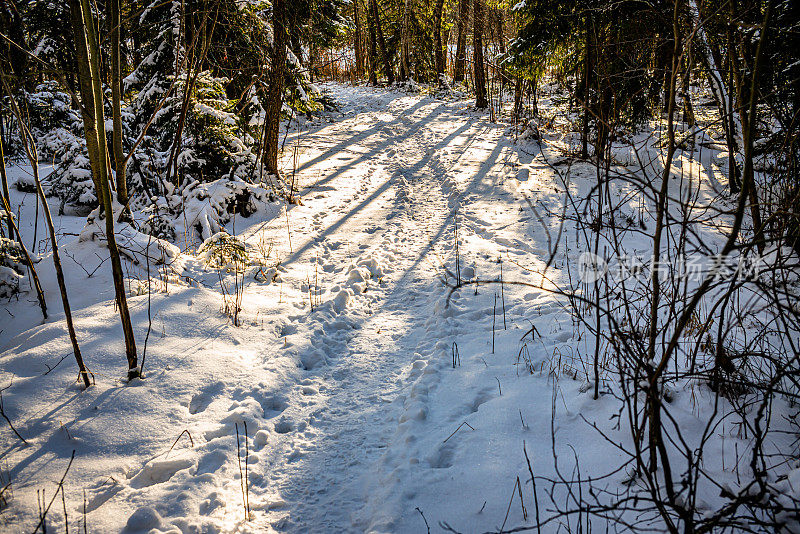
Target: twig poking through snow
[244,482]
[59,488]
[3,413]
[457,429]
[423,518]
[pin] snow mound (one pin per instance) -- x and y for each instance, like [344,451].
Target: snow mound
[11,267]
[137,247]
[207,207]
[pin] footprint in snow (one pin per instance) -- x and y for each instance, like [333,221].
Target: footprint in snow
[201,400]
[284,426]
[159,470]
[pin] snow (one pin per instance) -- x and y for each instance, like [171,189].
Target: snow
[360,417]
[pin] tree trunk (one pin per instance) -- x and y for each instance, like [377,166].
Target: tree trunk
[688,109]
[587,80]
[746,99]
[461,41]
[517,114]
[373,48]
[477,43]
[88,50]
[405,69]
[87,95]
[120,162]
[275,91]
[62,285]
[748,132]
[357,42]
[387,59]
[4,179]
[501,40]
[722,93]
[439,57]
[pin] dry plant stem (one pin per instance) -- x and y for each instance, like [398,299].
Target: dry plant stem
[7,206]
[29,264]
[494,318]
[427,527]
[66,519]
[243,477]
[503,295]
[62,285]
[533,483]
[43,515]
[5,416]
[149,308]
[456,430]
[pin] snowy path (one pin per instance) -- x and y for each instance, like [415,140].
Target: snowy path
[360,418]
[349,406]
[399,211]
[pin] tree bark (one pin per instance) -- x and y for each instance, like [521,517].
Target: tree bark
[357,42]
[120,162]
[87,94]
[461,41]
[4,180]
[477,43]
[517,114]
[88,51]
[387,59]
[440,57]
[373,48]
[405,63]
[587,80]
[275,90]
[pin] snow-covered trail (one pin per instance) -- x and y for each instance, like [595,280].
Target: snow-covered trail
[397,209]
[376,399]
[348,405]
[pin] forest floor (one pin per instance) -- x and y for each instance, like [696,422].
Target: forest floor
[343,367]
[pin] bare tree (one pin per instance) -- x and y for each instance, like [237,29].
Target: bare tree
[439,54]
[373,46]
[120,162]
[87,51]
[387,58]
[461,41]
[33,158]
[478,63]
[358,42]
